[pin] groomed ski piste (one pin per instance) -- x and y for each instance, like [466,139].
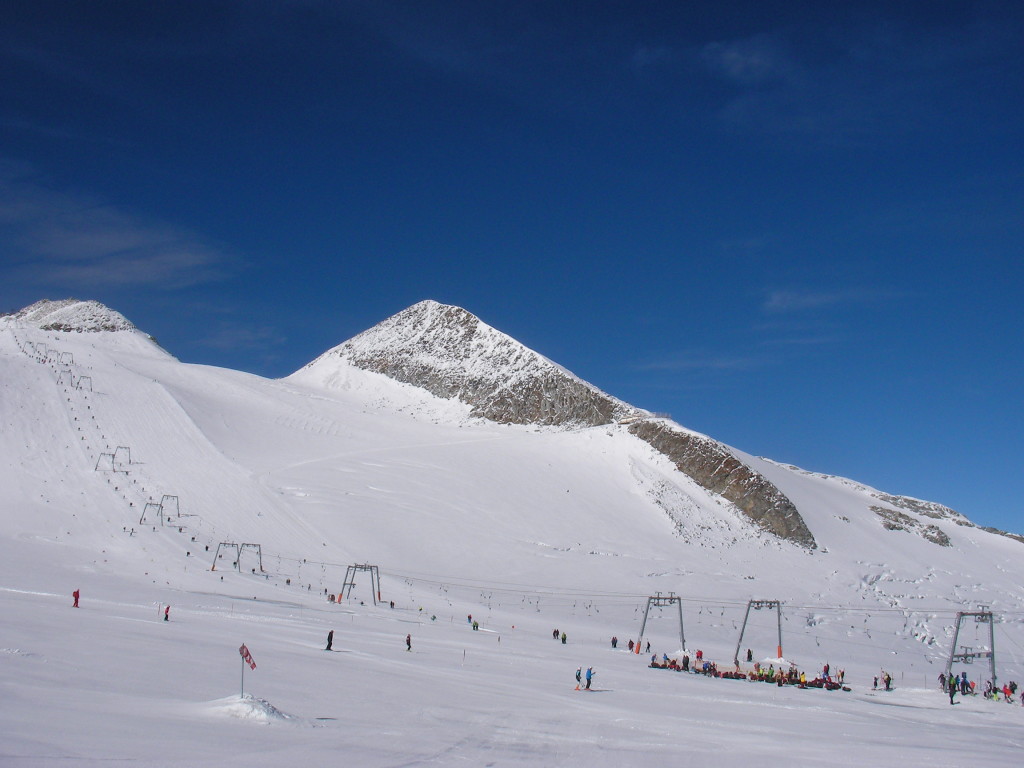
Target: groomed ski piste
[525,529]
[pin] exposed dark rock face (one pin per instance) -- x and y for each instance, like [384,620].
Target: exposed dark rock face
[715,468]
[893,520]
[452,354]
[926,508]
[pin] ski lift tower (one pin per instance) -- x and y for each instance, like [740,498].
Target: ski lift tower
[967,654]
[758,605]
[350,580]
[660,601]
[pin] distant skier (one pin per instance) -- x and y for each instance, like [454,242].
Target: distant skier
[408,642]
[563,638]
[75,595]
[167,613]
[750,655]
[615,642]
[590,675]
[952,692]
[579,677]
[330,640]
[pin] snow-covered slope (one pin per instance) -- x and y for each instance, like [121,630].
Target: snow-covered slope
[126,472]
[450,353]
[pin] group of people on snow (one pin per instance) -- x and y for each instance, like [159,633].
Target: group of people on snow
[580,675]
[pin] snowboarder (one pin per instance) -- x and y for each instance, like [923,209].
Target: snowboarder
[330,640]
[408,642]
[590,675]
[579,677]
[167,613]
[75,595]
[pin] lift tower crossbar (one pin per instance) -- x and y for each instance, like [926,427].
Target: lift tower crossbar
[350,580]
[968,655]
[659,601]
[758,605]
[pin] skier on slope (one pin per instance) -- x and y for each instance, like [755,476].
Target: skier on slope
[408,642]
[590,675]
[579,677]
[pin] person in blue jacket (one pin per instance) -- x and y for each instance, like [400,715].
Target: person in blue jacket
[590,675]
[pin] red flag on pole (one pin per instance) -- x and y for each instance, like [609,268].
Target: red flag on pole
[246,656]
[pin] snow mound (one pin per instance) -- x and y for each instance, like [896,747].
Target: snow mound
[73,315]
[248,707]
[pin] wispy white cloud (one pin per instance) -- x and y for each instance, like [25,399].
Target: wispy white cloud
[755,60]
[864,80]
[792,300]
[72,241]
[700,361]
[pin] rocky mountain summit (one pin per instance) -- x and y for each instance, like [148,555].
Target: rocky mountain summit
[73,315]
[450,353]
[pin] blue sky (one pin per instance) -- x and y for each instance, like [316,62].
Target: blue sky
[795,227]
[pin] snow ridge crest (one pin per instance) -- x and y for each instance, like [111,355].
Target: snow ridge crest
[73,315]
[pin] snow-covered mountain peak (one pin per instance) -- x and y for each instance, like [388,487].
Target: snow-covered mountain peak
[73,315]
[451,353]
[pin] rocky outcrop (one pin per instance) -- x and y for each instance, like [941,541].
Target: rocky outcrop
[925,508]
[714,467]
[893,520]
